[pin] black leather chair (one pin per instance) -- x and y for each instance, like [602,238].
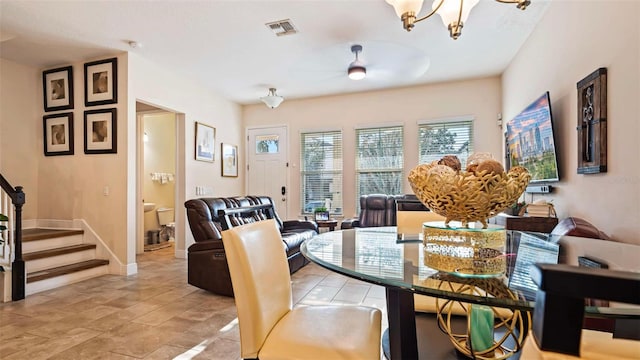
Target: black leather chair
[375,210]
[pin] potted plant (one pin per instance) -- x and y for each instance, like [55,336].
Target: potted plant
[321,214]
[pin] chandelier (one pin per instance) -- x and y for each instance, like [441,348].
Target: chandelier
[453,12]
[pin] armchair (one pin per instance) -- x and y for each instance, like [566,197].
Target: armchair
[375,210]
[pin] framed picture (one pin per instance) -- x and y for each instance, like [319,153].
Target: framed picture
[229,161]
[321,215]
[58,134]
[100,131]
[101,82]
[57,86]
[592,123]
[205,142]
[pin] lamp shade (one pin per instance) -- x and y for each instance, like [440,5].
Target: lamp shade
[450,10]
[357,71]
[272,100]
[404,6]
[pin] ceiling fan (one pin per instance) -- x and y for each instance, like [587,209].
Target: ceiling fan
[357,70]
[378,62]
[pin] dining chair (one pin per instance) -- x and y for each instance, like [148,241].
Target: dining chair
[270,327]
[559,312]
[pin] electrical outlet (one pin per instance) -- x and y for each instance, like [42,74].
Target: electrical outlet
[105,191]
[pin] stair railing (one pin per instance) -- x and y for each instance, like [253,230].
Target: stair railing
[14,238]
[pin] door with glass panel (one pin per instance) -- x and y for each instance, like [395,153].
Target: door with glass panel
[267,165]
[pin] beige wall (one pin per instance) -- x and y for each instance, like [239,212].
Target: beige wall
[192,102]
[89,186]
[573,39]
[480,98]
[159,157]
[64,187]
[21,144]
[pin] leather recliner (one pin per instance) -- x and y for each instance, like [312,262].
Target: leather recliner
[375,210]
[207,266]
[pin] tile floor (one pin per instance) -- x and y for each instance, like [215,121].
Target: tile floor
[152,315]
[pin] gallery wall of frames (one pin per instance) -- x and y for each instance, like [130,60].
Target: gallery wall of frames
[100,123]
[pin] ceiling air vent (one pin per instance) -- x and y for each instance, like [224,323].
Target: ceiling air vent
[282,27]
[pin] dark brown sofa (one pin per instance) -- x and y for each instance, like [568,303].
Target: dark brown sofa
[208,217]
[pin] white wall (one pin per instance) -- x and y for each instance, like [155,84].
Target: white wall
[478,97]
[21,143]
[193,102]
[573,39]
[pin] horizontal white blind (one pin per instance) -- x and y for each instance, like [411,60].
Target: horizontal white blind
[446,138]
[379,161]
[321,171]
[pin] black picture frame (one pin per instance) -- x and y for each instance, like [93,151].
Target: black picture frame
[58,134]
[100,131]
[57,89]
[101,82]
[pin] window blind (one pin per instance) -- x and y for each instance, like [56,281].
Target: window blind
[321,171]
[379,161]
[446,138]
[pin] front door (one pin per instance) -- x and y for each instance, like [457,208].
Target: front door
[267,165]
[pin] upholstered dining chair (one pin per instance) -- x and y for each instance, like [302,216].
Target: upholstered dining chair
[559,310]
[270,327]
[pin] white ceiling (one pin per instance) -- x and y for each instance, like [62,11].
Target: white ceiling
[226,46]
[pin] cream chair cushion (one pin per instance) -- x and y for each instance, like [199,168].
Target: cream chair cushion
[269,328]
[594,345]
[410,222]
[325,332]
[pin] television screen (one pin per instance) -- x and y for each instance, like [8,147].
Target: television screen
[530,142]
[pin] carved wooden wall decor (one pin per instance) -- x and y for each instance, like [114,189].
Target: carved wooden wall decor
[592,123]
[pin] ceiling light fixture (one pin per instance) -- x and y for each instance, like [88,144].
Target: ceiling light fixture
[357,71]
[453,12]
[272,99]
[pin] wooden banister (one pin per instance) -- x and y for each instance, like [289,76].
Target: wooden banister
[18,281]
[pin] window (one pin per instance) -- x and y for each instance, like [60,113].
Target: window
[321,171]
[379,161]
[438,139]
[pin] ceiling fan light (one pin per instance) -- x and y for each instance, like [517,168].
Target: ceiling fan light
[357,71]
[272,100]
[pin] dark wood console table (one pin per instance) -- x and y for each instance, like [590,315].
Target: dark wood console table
[525,223]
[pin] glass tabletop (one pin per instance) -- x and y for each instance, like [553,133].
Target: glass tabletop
[380,256]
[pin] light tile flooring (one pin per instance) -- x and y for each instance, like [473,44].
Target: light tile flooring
[152,315]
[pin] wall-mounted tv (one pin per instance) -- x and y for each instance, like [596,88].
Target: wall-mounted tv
[530,142]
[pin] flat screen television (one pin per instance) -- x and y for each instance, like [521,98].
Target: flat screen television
[530,142]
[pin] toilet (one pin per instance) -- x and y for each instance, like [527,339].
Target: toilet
[167,225]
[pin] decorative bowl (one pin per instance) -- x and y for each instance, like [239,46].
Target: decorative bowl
[467,196]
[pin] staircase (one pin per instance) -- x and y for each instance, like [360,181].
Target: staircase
[58,257]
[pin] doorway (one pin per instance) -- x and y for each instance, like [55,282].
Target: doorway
[267,169]
[157,164]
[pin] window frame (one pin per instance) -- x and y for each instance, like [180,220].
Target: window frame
[337,207]
[358,170]
[444,123]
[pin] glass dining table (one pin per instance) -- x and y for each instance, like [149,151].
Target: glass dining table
[397,262]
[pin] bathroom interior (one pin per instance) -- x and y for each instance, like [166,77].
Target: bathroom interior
[158,181]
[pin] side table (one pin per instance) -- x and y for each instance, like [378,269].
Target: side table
[331,224]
